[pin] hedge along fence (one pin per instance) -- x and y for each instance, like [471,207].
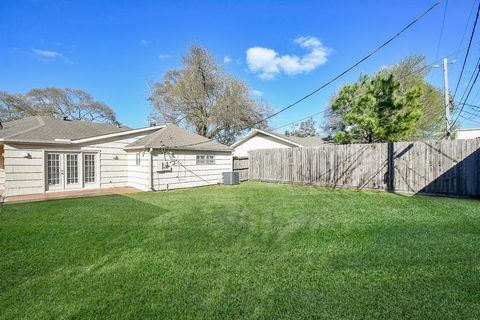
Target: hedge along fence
[443,167]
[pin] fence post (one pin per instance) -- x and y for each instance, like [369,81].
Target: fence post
[391,167]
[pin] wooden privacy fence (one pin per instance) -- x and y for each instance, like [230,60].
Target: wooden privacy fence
[443,167]
[240,164]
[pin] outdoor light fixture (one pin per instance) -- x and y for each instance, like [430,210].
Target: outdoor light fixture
[115,157]
[26,155]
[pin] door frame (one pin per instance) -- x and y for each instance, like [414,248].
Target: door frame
[60,186]
[80,163]
[79,184]
[95,184]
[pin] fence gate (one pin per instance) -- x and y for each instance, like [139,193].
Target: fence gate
[240,165]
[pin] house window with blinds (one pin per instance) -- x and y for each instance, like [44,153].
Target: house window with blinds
[205,159]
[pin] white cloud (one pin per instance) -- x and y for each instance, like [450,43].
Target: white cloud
[227,59]
[257,93]
[164,56]
[144,42]
[268,63]
[48,55]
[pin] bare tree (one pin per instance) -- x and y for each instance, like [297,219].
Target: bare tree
[307,128]
[67,103]
[203,97]
[13,106]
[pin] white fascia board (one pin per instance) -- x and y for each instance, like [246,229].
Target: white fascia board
[118,134]
[255,131]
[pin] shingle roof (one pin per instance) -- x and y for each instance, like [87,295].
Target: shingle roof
[48,129]
[173,137]
[296,141]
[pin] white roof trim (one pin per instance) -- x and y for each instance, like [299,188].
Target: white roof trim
[254,132]
[469,129]
[117,134]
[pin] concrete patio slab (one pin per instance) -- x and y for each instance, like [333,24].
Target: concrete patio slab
[69,194]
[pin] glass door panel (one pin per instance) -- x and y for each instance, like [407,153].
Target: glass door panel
[90,169]
[54,171]
[72,177]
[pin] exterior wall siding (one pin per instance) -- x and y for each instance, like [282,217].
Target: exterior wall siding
[2,170]
[259,141]
[184,172]
[27,175]
[138,175]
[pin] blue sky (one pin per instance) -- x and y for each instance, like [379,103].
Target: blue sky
[114,49]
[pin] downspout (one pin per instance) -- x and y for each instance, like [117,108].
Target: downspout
[150,152]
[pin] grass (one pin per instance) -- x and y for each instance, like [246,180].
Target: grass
[250,251]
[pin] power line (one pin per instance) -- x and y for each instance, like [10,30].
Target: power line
[471,120]
[404,77]
[180,163]
[373,52]
[468,51]
[470,113]
[470,81]
[472,105]
[441,29]
[466,98]
[300,120]
[466,26]
[408,26]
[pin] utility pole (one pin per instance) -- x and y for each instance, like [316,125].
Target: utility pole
[446,95]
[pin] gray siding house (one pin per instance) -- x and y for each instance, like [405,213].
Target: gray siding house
[44,154]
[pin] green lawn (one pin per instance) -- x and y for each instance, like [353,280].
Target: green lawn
[251,251]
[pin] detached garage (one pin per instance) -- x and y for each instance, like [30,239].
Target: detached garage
[261,139]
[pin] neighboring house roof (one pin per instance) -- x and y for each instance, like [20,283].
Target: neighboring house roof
[173,137]
[470,133]
[295,141]
[469,129]
[42,129]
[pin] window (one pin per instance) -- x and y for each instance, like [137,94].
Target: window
[205,159]
[137,159]
[89,168]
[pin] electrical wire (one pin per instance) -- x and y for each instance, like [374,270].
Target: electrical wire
[466,98]
[466,25]
[408,26]
[369,55]
[441,29]
[468,51]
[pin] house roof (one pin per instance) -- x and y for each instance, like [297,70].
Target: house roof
[469,129]
[173,137]
[42,129]
[295,141]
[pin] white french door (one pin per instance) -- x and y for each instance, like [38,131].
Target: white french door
[54,166]
[70,170]
[90,174]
